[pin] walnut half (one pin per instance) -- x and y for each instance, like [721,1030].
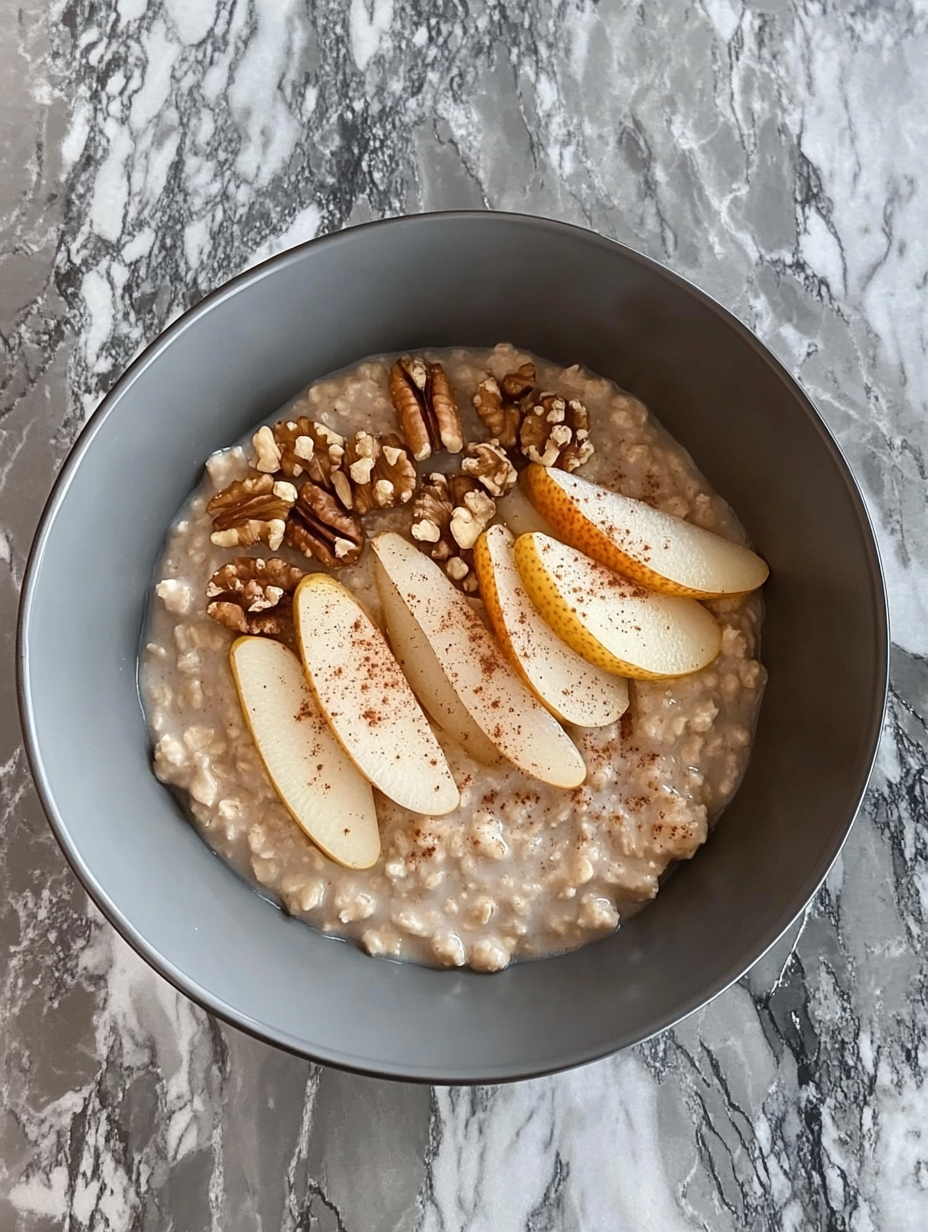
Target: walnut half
[449,516]
[319,526]
[486,462]
[251,510]
[250,595]
[381,473]
[302,447]
[542,427]
[502,404]
[425,407]
[364,471]
[556,432]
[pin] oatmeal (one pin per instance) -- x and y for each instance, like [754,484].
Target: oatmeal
[519,868]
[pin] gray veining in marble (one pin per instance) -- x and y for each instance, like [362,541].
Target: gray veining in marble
[772,150]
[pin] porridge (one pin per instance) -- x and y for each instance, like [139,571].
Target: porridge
[518,867]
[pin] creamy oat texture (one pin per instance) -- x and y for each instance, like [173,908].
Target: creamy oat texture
[520,869]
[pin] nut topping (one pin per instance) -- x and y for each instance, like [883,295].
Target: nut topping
[341,480]
[556,432]
[501,405]
[544,427]
[517,386]
[251,510]
[380,472]
[487,463]
[306,447]
[365,472]
[581,448]
[449,515]
[425,407]
[470,520]
[319,526]
[251,595]
[267,451]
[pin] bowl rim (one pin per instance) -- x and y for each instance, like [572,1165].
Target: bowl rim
[202,996]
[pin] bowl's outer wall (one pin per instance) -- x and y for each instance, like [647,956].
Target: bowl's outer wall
[447,280]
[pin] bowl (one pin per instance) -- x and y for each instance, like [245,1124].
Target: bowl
[441,280]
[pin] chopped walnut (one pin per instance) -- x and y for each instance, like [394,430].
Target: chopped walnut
[251,595]
[380,471]
[251,510]
[556,432]
[425,407]
[449,515]
[319,526]
[486,462]
[502,404]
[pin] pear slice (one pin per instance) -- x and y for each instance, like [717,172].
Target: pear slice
[465,670]
[654,548]
[366,699]
[610,620]
[572,689]
[317,782]
[423,671]
[517,512]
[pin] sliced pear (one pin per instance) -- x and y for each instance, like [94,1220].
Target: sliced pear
[423,671]
[610,620]
[317,782]
[654,548]
[465,663]
[363,694]
[573,689]
[517,512]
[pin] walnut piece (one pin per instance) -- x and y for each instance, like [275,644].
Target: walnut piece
[502,404]
[251,595]
[556,432]
[380,472]
[343,480]
[267,451]
[319,526]
[365,472]
[449,515]
[486,462]
[471,518]
[542,427]
[518,386]
[305,447]
[581,448]
[425,407]
[251,510]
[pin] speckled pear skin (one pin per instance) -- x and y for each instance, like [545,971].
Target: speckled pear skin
[577,691]
[600,613]
[600,523]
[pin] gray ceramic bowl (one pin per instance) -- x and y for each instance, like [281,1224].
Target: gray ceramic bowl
[440,280]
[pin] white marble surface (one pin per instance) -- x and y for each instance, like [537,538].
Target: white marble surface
[772,150]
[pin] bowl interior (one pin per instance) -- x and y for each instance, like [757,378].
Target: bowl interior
[443,280]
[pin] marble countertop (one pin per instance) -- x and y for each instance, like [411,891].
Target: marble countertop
[771,150]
